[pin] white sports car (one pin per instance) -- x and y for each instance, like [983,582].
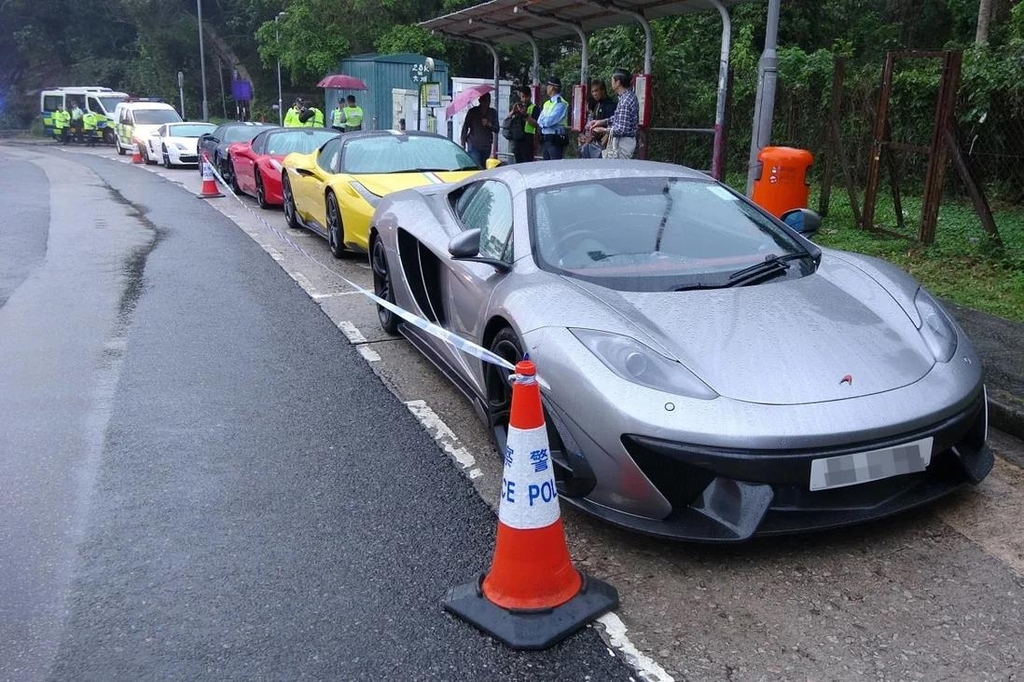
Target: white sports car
[175,144]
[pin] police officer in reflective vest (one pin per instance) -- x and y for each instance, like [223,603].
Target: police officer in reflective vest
[353,115]
[76,122]
[61,121]
[312,117]
[554,122]
[338,118]
[291,117]
[90,122]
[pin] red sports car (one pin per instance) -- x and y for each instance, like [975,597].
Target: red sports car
[256,165]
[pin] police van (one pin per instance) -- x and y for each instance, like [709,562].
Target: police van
[99,100]
[138,119]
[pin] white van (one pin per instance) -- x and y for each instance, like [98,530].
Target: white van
[137,120]
[94,98]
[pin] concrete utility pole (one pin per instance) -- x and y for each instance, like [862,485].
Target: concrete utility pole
[202,59]
[280,101]
[764,104]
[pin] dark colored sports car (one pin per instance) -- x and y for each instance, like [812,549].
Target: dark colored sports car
[256,164]
[708,373]
[216,143]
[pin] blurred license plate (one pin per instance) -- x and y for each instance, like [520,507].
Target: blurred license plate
[862,467]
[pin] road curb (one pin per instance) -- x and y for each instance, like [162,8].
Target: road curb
[1006,413]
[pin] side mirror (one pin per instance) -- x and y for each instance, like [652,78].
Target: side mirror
[465,245]
[803,220]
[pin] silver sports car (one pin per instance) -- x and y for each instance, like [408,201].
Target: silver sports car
[709,373]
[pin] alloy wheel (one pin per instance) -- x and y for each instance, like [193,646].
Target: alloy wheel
[382,286]
[335,235]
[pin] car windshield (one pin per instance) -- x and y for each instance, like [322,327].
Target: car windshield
[189,129]
[404,153]
[654,233]
[302,142]
[241,133]
[109,103]
[156,116]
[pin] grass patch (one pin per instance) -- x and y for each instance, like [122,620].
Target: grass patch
[963,265]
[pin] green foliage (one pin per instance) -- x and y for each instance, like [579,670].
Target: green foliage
[963,265]
[410,38]
[307,41]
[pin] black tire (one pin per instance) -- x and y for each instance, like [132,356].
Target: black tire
[108,136]
[145,154]
[167,158]
[505,344]
[227,171]
[291,214]
[261,193]
[335,228]
[383,287]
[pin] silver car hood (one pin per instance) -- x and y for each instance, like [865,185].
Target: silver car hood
[784,342]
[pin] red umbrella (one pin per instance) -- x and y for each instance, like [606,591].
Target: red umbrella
[341,81]
[464,98]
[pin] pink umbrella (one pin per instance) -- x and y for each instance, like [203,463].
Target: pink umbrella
[343,82]
[464,98]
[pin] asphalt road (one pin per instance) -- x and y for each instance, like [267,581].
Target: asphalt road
[200,478]
[937,594]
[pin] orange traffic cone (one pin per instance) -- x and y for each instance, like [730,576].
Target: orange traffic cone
[532,597]
[136,154]
[209,189]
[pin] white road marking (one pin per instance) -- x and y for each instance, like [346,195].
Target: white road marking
[647,669]
[990,516]
[354,335]
[444,437]
[304,282]
[336,293]
[368,353]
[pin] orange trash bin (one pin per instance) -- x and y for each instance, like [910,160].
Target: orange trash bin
[783,184]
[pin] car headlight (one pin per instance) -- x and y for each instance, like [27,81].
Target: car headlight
[371,198]
[936,329]
[276,165]
[636,362]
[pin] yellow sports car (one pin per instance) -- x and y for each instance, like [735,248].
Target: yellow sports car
[334,190]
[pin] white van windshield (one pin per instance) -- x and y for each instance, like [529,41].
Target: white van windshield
[110,102]
[156,116]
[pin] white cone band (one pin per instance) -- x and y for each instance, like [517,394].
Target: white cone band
[529,499]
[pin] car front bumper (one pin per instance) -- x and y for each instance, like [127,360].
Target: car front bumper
[724,471]
[182,156]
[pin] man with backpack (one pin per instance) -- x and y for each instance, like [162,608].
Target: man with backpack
[520,126]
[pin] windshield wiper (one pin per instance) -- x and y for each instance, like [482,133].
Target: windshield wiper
[771,265]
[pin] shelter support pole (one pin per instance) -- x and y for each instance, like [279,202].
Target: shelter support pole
[535,68]
[497,94]
[718,151]
[764,104]
[648,65]
[584,47]
[648,39]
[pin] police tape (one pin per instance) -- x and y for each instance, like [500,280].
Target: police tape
[459,343]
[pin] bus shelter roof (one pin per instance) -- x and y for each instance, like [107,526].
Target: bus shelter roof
[514,21]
